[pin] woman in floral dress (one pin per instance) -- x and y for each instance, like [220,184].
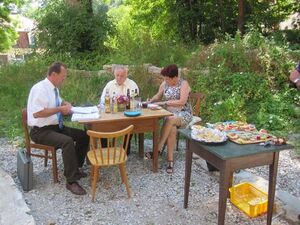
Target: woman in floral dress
[173,94]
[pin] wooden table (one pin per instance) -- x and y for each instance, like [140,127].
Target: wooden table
[228,157]
[148,121]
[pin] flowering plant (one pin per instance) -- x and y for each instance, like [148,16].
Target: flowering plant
[122,99]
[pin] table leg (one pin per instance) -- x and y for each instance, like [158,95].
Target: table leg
[230,183]
[155,146]
[187,177]
[272,183]
[141,145]
[224,182]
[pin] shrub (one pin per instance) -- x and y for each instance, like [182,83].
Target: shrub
[72,29]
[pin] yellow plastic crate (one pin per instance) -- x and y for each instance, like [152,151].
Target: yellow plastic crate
[249,199]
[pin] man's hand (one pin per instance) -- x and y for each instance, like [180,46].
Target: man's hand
[66,109]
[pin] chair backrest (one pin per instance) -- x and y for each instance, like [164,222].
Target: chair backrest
[25,128]
[115,149]
[195,99]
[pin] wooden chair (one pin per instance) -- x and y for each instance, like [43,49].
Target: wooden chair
[46,148]
[195,101]
[114,154]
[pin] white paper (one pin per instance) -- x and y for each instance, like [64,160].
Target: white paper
[85,110]
[80,116]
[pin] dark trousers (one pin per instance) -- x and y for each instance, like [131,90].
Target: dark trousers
[73,142]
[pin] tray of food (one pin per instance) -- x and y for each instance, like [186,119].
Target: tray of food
[208,135]
[244,137]
[232,126]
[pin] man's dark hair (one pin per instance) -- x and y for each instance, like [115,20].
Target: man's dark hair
[170,71]
[56,67]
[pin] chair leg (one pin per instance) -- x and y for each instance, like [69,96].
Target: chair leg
[120,168]
[46,158]
[54,166]
[124,178]
[94,183]
[177,143]
[92,175]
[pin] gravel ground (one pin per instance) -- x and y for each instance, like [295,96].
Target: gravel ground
[156,198]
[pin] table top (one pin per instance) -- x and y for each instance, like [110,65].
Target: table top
[229,149]
[145,113]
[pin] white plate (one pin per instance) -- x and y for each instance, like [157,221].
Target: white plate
[153,106]
[209,135]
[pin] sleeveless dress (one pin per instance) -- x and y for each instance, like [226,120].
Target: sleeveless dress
[185,112]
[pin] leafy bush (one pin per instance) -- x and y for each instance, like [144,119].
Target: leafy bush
[247,79]
[72,29]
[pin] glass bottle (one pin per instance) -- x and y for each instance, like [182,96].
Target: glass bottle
[107,102]
[114,103]
[128,99]
[132,100]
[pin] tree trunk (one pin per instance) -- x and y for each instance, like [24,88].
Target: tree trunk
[221,10]
[241,16]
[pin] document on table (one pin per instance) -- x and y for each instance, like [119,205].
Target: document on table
[85,110]
[81,116]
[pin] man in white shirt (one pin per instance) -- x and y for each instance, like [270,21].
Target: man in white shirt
[45,109]
[119,85]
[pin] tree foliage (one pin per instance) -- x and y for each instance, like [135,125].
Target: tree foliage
[7,32]
[199,20]
[73,29]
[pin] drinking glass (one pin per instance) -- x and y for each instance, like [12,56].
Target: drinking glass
[138,103]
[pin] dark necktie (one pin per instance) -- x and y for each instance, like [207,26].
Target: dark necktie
[59,115]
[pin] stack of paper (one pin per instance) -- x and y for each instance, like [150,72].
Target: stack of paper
[78,116]
[85,110]
[84,113]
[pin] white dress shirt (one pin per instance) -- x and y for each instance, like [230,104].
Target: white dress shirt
[113,86]
[41,96]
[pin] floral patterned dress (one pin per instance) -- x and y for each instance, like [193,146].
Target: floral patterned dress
[173,93]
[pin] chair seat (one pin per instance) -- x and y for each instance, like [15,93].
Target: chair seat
[104,159]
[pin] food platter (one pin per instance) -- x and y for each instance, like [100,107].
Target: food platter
[237,132]
[244,137]
[197,127]
[233,126]
[209,135]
